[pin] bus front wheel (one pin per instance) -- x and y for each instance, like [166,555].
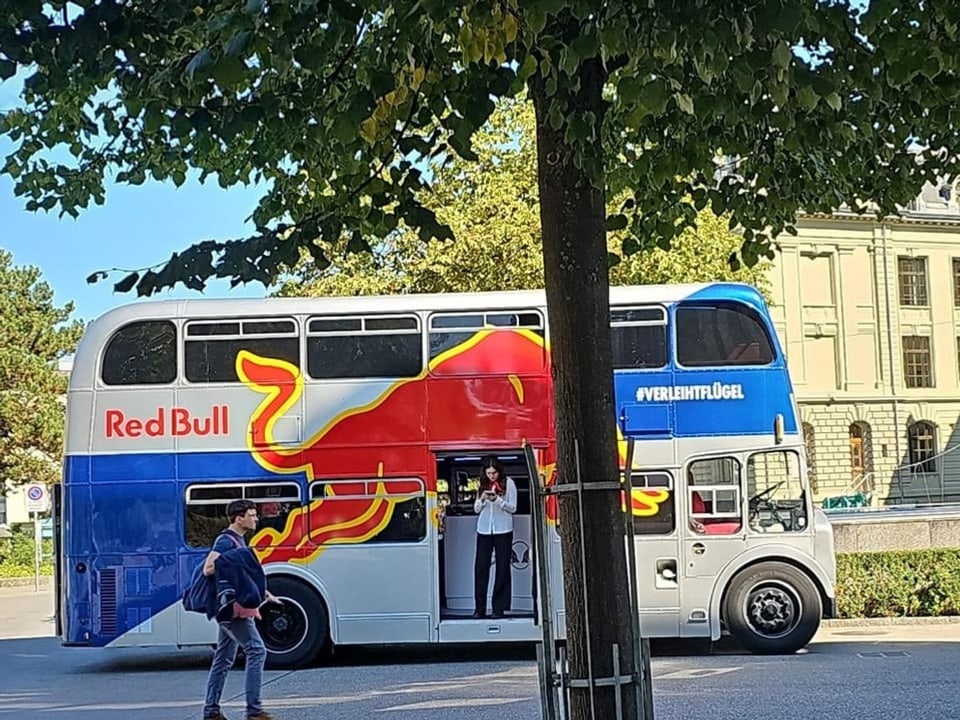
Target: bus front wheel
[297,631]
[772,608]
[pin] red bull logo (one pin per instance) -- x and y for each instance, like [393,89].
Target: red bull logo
[173,422]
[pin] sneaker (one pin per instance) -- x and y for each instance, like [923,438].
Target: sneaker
[218,716]
[262,715]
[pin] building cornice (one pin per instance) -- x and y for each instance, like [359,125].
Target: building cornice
[924,219]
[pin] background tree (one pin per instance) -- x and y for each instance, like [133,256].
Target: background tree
[492,207]
[333,103]
[34,335]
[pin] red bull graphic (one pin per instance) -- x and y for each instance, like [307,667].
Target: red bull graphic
[645,502]
[492,389]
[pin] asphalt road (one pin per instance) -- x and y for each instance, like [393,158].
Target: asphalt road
[848,672]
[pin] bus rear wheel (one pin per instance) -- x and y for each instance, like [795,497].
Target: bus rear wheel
[297,631]
[772,608]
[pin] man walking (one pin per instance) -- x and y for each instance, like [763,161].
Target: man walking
[236,624]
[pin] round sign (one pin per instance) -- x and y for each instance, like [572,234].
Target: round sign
[35,492]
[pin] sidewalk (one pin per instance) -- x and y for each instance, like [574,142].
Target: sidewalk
[899,629]
[25,613]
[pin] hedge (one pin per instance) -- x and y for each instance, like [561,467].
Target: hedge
[16,556]
[901,583]
[898,583]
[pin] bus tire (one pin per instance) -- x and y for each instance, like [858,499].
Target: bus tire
[297,631]
[772,608]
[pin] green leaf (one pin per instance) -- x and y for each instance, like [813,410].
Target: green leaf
[586,46]
[127,283]
[685,103]
[238,43]
[807,98]
[7,69]
[616,222]
[254,7]
[229,71]
[528,67]
[782,55]
[629,88]
[834,101]
[198,66]
[536,19]
[780,93]
[655,95]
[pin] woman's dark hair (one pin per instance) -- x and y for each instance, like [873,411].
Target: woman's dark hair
[239,508]
[490,461]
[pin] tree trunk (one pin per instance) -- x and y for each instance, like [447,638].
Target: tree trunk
[573,222]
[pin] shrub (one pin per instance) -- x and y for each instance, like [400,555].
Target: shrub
[16,556]
[906,583]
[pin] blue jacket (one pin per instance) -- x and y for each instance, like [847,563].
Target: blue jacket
[240,578]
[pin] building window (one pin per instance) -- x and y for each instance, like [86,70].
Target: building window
[921,441]
[956,282]
[913,280]
[861,456]
[810,444]
[917,371]
[958,354]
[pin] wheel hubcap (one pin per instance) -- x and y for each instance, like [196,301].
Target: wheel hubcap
[772,610]
[283,627]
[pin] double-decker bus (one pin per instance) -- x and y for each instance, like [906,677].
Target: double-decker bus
[357,424]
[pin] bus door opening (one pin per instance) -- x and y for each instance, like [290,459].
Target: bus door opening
[458,482]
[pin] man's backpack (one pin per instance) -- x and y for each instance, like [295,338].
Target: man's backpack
[201,594]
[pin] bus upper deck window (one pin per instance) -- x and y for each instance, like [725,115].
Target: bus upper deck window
[639,338]
[141,353]
[211,346]
[722,335]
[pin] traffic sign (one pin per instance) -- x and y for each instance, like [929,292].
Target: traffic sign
[38,498]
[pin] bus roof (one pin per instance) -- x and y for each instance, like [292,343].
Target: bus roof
[100,330]
[434,302]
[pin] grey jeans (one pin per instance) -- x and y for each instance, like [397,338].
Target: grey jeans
[239,632]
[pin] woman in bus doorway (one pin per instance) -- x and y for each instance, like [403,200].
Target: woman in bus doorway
[495,505]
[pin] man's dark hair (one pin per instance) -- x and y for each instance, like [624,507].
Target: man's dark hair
[238,508]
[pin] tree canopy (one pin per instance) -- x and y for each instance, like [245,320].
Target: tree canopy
[35,334]
[492,207]
[331,103]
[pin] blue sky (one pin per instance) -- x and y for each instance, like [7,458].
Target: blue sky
[135,228]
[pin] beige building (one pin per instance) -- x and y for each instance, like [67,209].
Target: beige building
[869,314]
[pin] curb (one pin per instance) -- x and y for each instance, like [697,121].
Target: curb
[890,621]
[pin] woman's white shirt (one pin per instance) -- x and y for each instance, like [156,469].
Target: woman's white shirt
[495,517]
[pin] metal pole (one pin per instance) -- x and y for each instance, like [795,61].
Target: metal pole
[583,572]
[36,552]
[643,688]
[546,651]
